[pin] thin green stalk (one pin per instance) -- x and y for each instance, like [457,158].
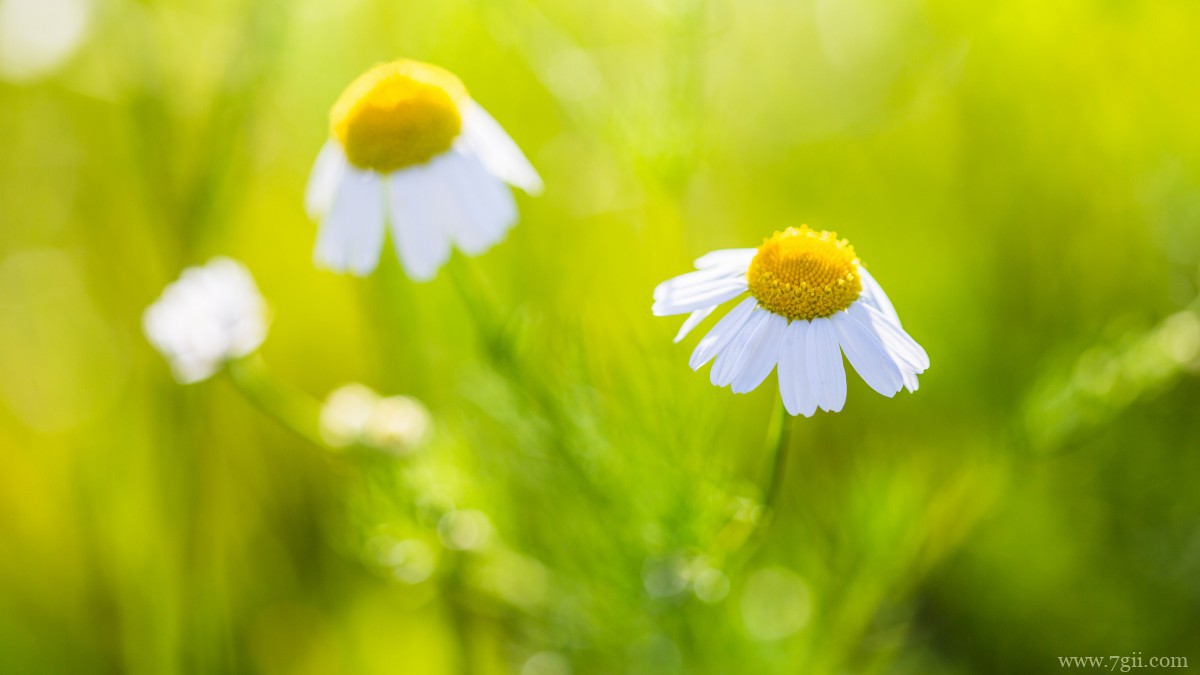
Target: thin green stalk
[778,438]
[740,534]
[503,358]
[460,617]
[293,409]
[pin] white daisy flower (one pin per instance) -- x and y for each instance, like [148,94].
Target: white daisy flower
[810,301]
[212,314]
[409,147]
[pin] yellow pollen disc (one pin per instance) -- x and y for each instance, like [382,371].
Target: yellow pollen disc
[804,274]
[397,115]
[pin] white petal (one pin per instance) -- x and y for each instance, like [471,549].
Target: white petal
[692,321]
[733,359]
[705,296]
[497,150]
[866,353]
[826,375]
[728,257]
[905,350]
[351,234]
[722,333]
[798,396]
[487,201]
[441,184]
[685,283]
[763,354]
[874,295]
[420,242]
[326,174]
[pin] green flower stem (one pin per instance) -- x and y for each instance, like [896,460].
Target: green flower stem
[779,434]
[293,409]
[736,541]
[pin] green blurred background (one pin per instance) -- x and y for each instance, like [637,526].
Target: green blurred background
[1022,176]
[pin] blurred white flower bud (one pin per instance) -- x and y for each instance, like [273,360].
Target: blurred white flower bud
[212,314]
[346,413]
[399,424]
[38,36]
[354,413]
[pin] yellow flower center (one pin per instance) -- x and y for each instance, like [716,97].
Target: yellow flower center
[804,274]
[397,115]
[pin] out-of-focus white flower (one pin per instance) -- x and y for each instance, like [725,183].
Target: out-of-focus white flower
[37,36]
[810,301]
[212,314]
[411,148]
[345,414]
[355,413]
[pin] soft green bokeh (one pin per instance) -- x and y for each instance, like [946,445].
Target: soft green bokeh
[1023,177]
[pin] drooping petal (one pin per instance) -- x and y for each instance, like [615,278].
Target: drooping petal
[866,353]
[497,150]
[691,281]
[763,354]
[692,321]
[728,257]
[351,234]
[734,357]
[798,396]
[873,293]
[699,297]
[900,345]
[489,202]
[323,182]
[420,241]
[721,334]
[445,205]
[826,374]
[908,356]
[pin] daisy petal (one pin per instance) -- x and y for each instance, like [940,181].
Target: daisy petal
[721,334]
[685,283]
[442,199]
[351,234]
[326,174]
[874,295]
[798,396]
[701,297]
[497,150]
[908,354]
[763,354]
[475,206]
[692,321]
[867,354]
[733,359]
[420,242]
[729,257]
[826,374]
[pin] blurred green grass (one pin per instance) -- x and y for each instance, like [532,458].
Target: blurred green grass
[1024,178]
